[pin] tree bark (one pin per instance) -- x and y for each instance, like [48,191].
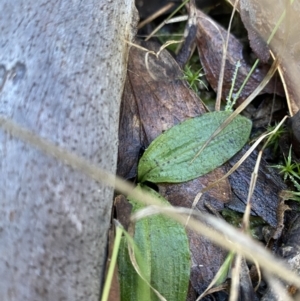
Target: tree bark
[62,70]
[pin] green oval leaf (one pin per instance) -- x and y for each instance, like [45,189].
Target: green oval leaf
[171,156]
[164,246]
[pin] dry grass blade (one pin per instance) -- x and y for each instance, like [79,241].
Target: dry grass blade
[246,216]
[194,204]
[276,290]
[235,280]
[156,15]
[287,95]
[258,274]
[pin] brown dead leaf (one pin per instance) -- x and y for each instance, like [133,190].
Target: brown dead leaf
[262,17]
[210,40]
[151,106]
[153,101]
[257,43]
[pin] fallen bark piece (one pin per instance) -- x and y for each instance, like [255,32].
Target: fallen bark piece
[263,16]
[151,106]
[210,42]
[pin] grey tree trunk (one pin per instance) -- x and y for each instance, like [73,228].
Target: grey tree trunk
[62,70]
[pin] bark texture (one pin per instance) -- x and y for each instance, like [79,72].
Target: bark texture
[62,70]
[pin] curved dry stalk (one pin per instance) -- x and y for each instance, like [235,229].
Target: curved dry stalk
[222,233]
[225,47]
[254,175]
[286,91]
[156,54]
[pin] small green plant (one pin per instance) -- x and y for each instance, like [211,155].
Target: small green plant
[290,171]
[232,97]
[193,78]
